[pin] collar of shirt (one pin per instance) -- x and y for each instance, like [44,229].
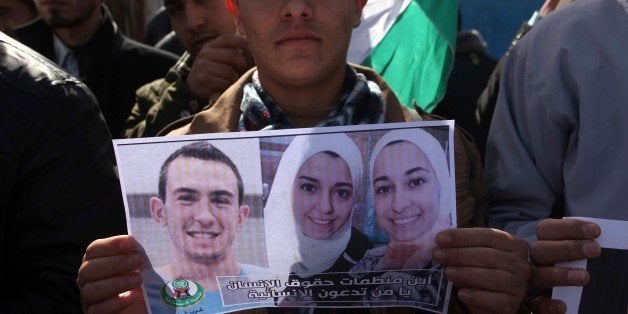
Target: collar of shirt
[65,57]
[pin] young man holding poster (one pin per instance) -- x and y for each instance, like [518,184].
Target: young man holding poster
[303,80]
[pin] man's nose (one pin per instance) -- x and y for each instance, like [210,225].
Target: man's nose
[295,9]
[205,212]
[194,17]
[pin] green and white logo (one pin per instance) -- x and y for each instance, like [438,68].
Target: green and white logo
[182,293]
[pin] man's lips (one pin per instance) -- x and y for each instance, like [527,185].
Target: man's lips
[202,234]
[297,35]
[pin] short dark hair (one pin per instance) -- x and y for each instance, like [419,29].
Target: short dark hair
[204,151]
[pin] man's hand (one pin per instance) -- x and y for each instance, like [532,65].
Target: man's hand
[218,65]
[561,240]
[489,266]
[109,278]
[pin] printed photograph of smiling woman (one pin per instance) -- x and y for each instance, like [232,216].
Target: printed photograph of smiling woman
[197,216]
[412,193]
[315,184]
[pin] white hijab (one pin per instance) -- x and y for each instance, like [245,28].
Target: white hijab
[436,156]
[289,249]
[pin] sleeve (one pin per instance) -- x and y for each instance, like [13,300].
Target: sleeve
[528,137]
[488,99]
[67,195]
[160,103]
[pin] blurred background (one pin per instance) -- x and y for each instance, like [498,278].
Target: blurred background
[496,20]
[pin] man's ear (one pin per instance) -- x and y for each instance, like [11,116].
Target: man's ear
[243,213]
[359,5]
[157,210]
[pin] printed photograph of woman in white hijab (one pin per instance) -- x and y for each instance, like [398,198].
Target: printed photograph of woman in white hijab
[411,189]
[310,207]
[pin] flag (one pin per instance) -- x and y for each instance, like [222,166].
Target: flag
[411,43]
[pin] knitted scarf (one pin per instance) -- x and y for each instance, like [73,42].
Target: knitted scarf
[361,102]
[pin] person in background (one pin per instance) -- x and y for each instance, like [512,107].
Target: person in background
[160,35]
[302,79]
[157,27]
[82,38]
[557,144]
[214,60]
[488,98]
[15,13]
[469,75]
[171,43]
[59,189]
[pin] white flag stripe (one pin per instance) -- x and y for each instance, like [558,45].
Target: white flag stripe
[378,17]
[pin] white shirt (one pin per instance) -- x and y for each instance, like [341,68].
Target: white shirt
[65,58]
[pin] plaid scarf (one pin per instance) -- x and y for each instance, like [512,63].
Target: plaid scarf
[361,102]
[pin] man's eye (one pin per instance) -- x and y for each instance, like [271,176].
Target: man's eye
[187,198]
[221,201]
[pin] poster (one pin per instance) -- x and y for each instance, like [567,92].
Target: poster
[319,217]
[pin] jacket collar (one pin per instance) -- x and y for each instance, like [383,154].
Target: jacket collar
[223,116]
[102,46]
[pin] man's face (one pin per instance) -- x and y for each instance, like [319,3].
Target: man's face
[14,13]
[296,43]
[198,21]
[68,13]
[406,191]
[322,195]
[201,209]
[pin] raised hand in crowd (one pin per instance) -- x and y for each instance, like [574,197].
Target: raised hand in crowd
[218,64]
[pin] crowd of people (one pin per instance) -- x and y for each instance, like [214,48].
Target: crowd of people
[70,82]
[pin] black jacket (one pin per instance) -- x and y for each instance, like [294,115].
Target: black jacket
[58,186]
[113,66]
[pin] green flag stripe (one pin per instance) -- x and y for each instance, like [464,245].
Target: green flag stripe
[416,56]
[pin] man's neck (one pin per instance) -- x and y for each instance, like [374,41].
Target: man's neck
[80,35]
[204,272]
[306,106]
